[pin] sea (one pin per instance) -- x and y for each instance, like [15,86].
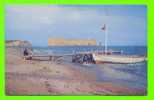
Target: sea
[128,75]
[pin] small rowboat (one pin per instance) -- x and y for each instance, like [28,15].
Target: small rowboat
[123,59]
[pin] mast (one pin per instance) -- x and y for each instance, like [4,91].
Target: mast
[106,40]
[104,28]
[106,32]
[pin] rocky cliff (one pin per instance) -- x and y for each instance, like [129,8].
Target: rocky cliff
[71,42]
[17,43]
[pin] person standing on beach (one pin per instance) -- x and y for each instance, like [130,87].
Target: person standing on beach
[26,53]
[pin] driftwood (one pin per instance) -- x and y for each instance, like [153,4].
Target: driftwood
[42,57]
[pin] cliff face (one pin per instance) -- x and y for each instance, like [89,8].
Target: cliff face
[71,42]
[17,43]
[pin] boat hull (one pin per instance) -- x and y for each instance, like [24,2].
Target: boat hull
[118,59]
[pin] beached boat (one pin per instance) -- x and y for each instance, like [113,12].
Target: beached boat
[124,59]
[110,57]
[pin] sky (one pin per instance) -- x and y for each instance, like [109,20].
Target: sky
[125,24]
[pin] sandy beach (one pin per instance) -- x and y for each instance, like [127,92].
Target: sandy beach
[28,77]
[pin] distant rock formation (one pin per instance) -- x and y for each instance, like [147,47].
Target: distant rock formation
[17,43]
[71,42]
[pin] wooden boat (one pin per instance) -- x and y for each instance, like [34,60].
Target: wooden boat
[123,59]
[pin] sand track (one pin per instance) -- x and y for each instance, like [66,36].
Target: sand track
[49,78]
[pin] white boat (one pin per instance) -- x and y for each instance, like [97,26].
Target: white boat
[112,58]
[123,59]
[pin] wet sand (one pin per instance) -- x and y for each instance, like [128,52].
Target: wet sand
[24,77]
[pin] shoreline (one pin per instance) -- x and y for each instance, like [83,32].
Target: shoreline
[54,78]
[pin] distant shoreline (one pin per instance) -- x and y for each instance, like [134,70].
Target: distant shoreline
[71,42]
[24,43]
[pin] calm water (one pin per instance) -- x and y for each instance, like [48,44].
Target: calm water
[130,75]
[128,50]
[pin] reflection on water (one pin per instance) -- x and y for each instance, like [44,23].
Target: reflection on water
[129,75]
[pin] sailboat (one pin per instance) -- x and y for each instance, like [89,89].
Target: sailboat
[122,59]
[112,58]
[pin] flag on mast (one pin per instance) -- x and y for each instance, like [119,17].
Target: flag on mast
[105,41]
[104,27]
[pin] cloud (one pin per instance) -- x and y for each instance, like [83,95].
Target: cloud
[83,22]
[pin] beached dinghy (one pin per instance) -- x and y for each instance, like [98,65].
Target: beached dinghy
[124,59]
